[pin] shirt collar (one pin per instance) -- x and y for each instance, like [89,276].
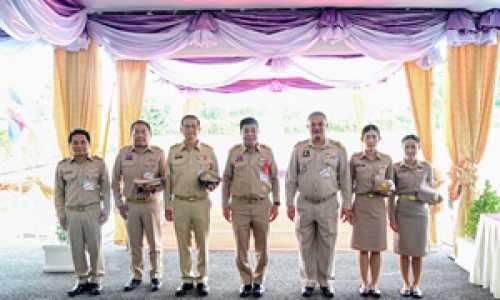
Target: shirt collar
[244,148]
[311,145]
[148,148]
[90,158]
[364,155]
[196,146]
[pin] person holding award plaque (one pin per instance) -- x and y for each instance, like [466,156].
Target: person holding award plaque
[372,181]
[138,178]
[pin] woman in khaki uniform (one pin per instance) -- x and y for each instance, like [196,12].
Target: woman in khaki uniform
[409,215]
[369,169]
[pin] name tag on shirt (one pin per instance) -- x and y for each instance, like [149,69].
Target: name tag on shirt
[88,185]
[148,175]
[326,172]
[263,177]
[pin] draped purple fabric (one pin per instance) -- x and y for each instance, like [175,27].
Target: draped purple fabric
[65,7]
[274,84]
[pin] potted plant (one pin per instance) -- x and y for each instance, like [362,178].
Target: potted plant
[488,202]
[58,255]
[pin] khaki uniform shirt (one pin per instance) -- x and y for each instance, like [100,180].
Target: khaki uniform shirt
[319,173]
[408,179]
[130,165]
[184,168]
[250,174]
[81,184]
[365,172]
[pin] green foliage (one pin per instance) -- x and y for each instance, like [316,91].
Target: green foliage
[488,202]
[158,116]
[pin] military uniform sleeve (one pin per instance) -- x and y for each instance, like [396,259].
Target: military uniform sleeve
[116,181]
[389,173]
[59,200]
[429,176]
[275,184]
[226,181]
[105,188]
[167,193]
[353,172]
[291,181]
[345,182]
[162,171]
[215,166]
[391,205]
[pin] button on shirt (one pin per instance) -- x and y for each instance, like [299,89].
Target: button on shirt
[251,174]
[131,165]
[184,168]
[319,173]
[365,171]
[79,184]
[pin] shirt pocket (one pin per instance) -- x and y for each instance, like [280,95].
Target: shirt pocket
[69,176]
[305,165]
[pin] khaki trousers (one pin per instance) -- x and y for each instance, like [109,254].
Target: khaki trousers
[85,237]
[145,218]
[251,216]
[316,230]
[192,217]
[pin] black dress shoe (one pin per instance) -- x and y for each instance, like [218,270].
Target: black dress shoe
[132,285]
[78,289]
[202,289]
[375,292]
[258,290]
[307,291]
[327,292]
[95,289]
[245,290]
[183,289]
[155,284]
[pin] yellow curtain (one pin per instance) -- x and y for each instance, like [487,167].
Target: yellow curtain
[77,94]
[419,83]
[131,77]
[472,73]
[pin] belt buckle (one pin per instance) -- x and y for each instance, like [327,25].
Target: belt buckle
[371,195]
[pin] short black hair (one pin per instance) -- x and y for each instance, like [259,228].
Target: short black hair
[248,121]
[79,131]
[410,137]
[192,117]
[140,122]
[368,128]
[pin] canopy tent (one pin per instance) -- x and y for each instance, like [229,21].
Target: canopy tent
[157,31]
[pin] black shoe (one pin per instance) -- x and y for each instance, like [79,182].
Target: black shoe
[364,291]
[245,290]
[258,290]
[78,289]
[375,292]
[95,289]
[307,291]
[327,292]
[155,284]
[132,285]
[202,289]
[183,289]
[417,293]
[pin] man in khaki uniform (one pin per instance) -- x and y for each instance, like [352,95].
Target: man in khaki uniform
[318,169]
[187,202]
[138,177]
[249,176]
[82,206]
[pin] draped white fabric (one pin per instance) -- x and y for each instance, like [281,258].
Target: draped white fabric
[339,73]
[28,20]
